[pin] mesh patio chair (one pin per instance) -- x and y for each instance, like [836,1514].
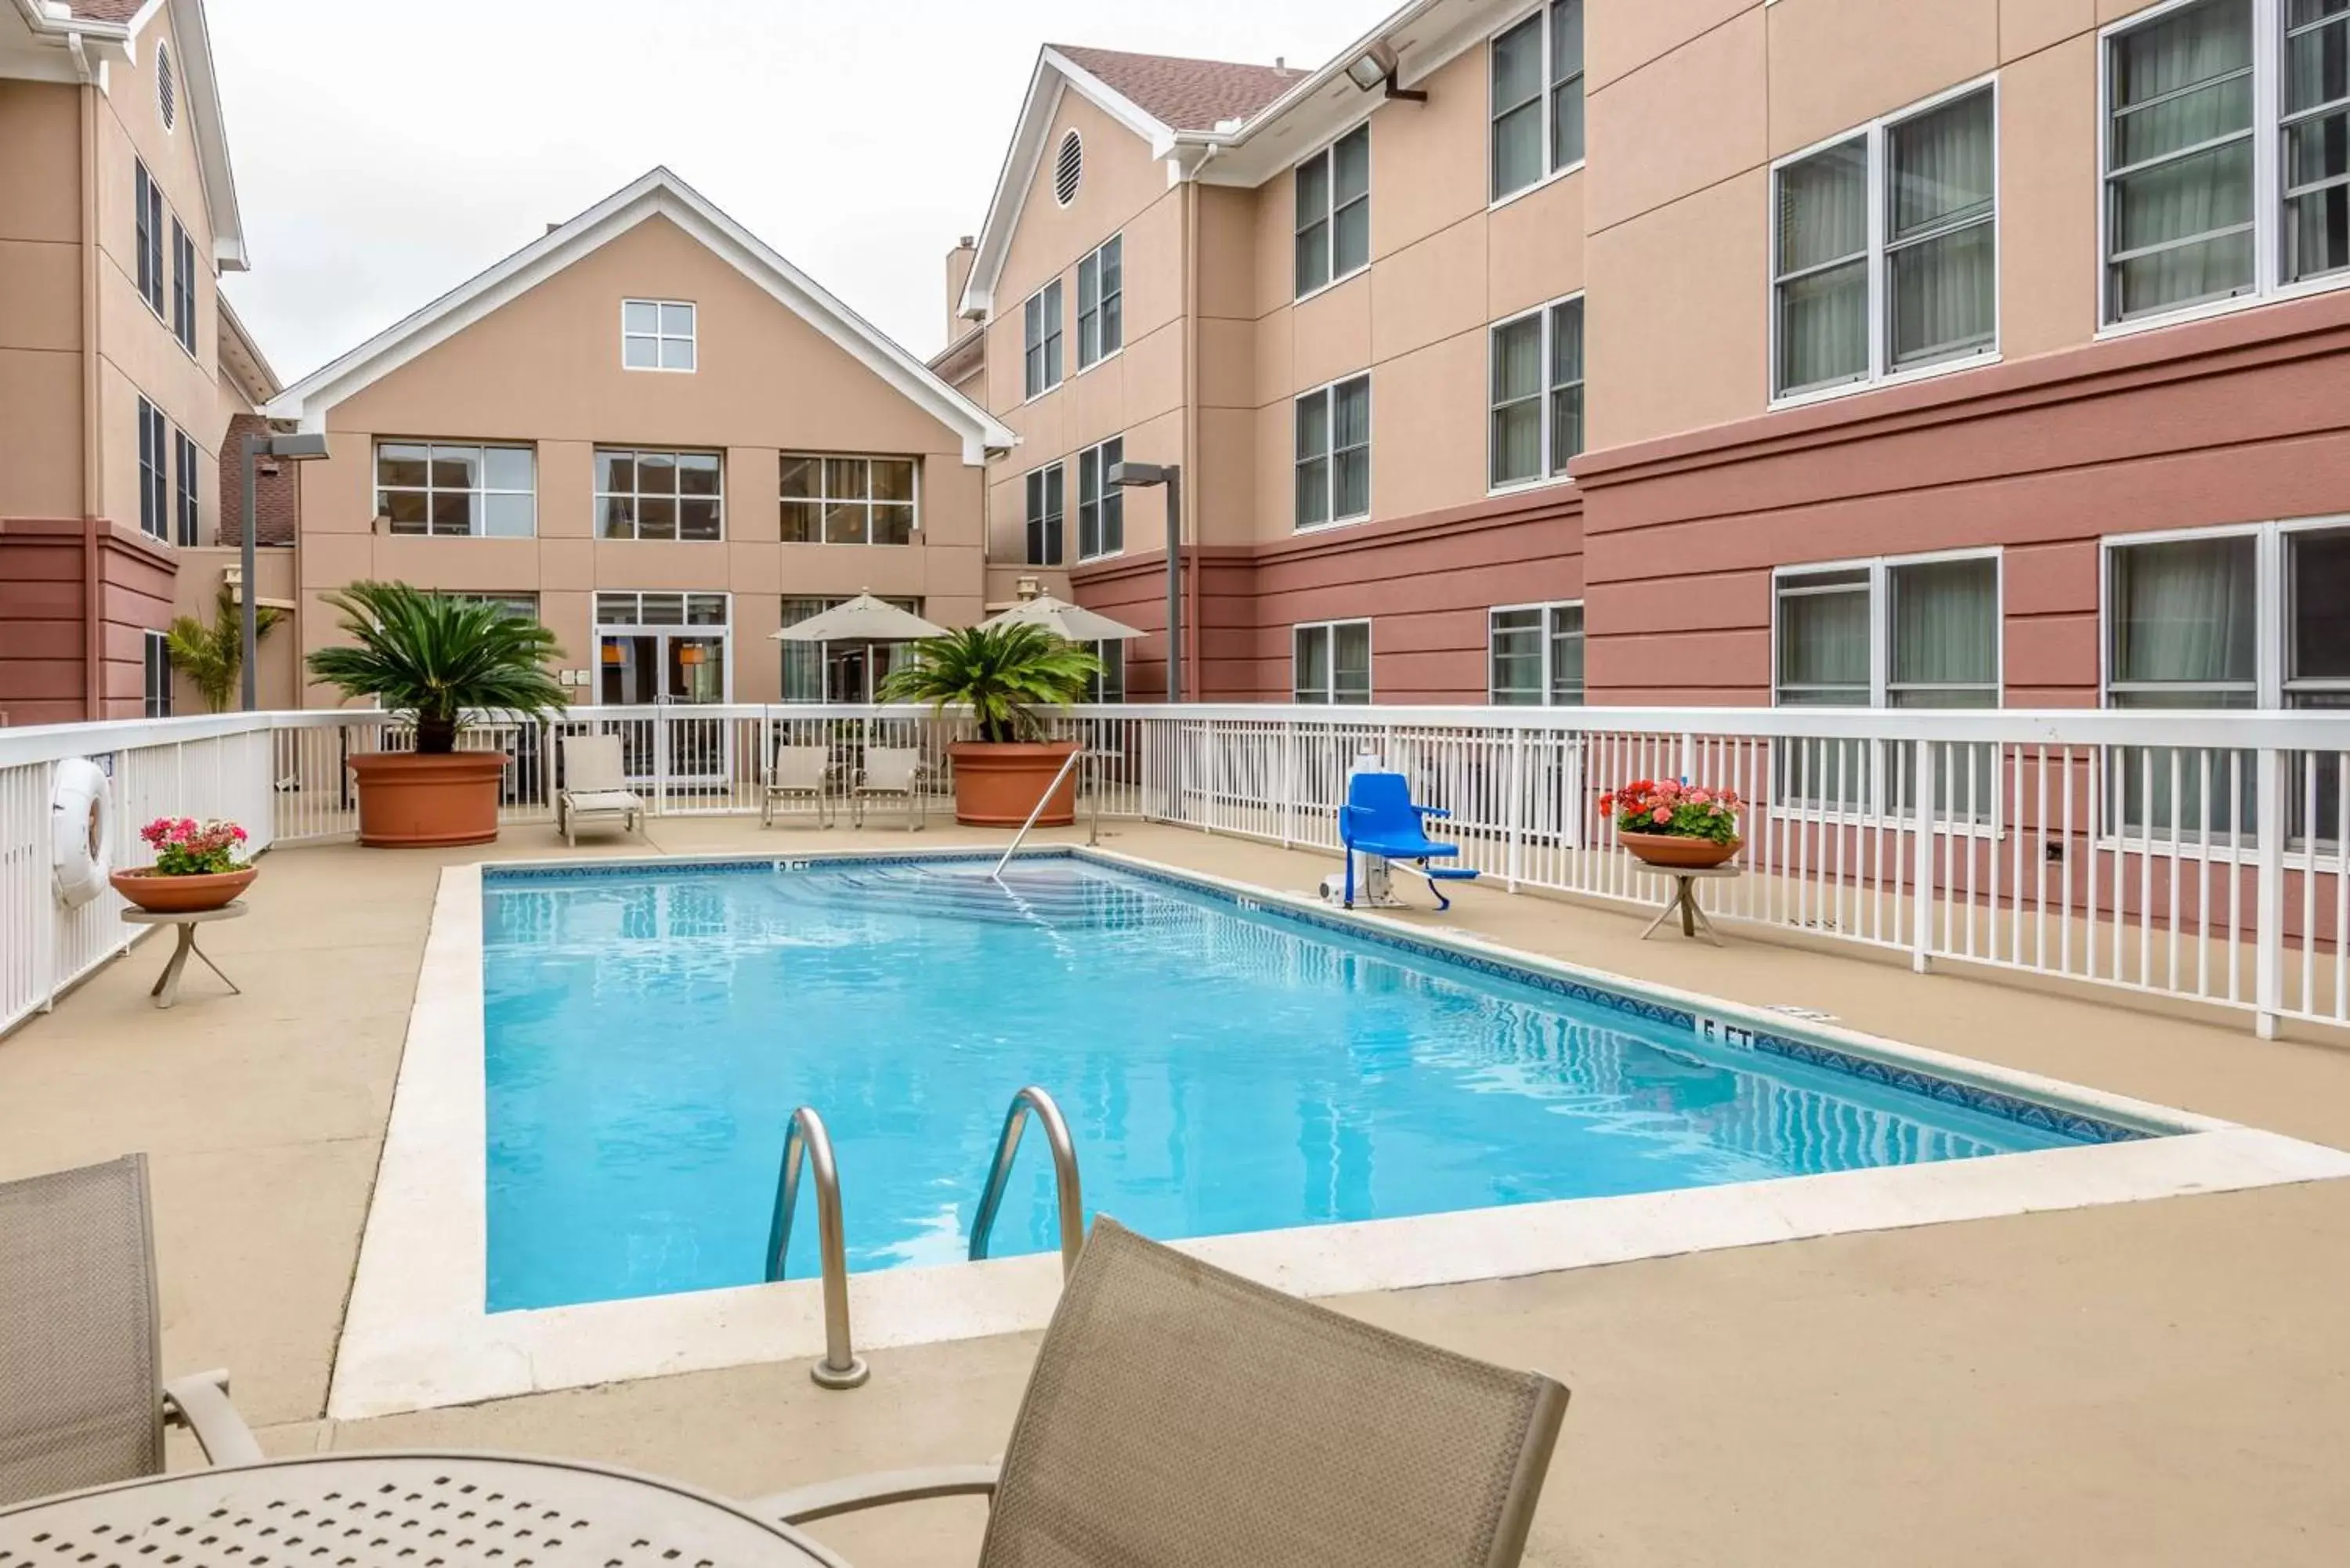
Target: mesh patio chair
[80,1405]
[1179,1417]
[596,790]
[798,772]
[891,772]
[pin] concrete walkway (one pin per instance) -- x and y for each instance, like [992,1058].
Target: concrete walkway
[2148,1384]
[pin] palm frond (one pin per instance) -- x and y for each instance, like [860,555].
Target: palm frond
[430,657]
[213,657]
[1002,673]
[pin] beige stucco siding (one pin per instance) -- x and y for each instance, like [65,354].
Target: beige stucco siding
[40,300]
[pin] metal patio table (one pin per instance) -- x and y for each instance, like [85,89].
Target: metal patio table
[400,1509]
[184,922]
[1682,903]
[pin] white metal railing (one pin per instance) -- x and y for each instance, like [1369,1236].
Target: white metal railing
[2186,855]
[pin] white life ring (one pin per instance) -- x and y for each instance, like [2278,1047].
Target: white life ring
[81,818]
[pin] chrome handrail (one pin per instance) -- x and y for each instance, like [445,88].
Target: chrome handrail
[841,1367]
[1065,1176]
[1036,810]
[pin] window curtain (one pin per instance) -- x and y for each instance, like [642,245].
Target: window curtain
[1566,656]
[1350,661]
[1351,441]
[1566,82]
[1517,100]
[1313,415]
[1823,268]
[1945,634]
[1310,664]
[1941,257]
[1565,383]
[1517,659]
[2185,611]
[2180,83]
[2317,146]
[1517,400]
[1824,647]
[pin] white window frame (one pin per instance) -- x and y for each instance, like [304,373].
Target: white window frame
[1880,338]
[1093,258]
[1327,154]
[187,490]
[183,286]
[1556,170]
[1330,689]
[1037,514]
[155,675]
[2272,614]
[1327,391]
[821,500]
[1107,684]
[148,212]
[1550,474]
[637,493]
[376,489]
[1047,301]
[2268,188]
[1106,494]
[154,471]
[660,337]
[1548,638]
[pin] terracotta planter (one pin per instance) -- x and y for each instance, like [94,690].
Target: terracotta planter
[161,895]
[1673,850]
[412,802]
[998,783]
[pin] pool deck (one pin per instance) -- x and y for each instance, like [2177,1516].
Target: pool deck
[2152,1383]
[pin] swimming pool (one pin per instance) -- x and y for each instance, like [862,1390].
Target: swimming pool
[1225,1067]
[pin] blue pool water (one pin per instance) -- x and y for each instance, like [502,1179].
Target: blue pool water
[1222,1069]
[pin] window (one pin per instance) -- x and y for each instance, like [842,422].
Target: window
[1101,506]
[183,286]
[444,488]
[1334,453]
[660,609]
[1107,684]
[515,606]
[1331,662]
[1537,414]
[848,500]
[1535,656]
[1041,325]
[147,202]
[186,510]
[155,473]
[1885,249]
[657,335]
[836,672]
[1334,211]
[657,495]
[1538,97]
[1101,302]
[1045,501]
[155,675]
[2227,153]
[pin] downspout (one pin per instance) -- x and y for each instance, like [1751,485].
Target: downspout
[93,628]
[1194,480]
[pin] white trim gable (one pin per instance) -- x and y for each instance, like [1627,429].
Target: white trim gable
[659,194]
[1055,74]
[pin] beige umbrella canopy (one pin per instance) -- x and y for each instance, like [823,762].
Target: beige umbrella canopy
[862,619]
[1073,623]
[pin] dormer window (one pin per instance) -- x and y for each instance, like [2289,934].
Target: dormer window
[657,335]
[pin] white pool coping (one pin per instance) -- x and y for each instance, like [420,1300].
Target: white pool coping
[416,1335]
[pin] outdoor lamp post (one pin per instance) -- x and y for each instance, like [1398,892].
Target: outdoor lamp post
[293,449]
[1145,476]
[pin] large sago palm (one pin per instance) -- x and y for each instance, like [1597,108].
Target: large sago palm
[431,659]
[1004,674]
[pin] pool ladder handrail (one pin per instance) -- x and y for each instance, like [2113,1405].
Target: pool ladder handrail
[1094,834]
[841,1367]
[1065,1176]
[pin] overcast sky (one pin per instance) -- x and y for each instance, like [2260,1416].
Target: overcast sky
[387,149]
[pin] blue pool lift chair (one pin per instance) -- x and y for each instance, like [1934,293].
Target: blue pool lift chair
[1379,818]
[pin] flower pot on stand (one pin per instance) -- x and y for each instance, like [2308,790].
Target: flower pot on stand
[1678,852]
[998,783]
[160,894]
[414,801]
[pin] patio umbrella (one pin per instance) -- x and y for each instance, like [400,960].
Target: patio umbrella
[1072,623]
[862,619]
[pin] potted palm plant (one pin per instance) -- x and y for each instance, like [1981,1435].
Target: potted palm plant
[1004,674]
[433,660]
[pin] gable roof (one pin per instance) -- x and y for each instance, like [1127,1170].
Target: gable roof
[1179,93]
[658,193]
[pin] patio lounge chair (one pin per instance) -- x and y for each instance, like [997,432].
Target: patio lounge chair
[1380,819]
[798,772]
[80,1405]
[890,773]
[1178,1415]
[595,787]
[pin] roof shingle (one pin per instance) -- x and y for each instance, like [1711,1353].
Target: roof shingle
[106,10]
[1184,94]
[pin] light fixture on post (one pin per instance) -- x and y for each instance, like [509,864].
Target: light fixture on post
[1375,66]
[1145,476]
[290,449]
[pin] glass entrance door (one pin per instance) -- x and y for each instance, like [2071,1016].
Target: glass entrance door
[668,667]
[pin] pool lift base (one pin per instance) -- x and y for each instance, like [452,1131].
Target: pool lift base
[1374,888]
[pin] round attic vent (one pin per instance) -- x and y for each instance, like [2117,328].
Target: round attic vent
[166,89]
[1068,169]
